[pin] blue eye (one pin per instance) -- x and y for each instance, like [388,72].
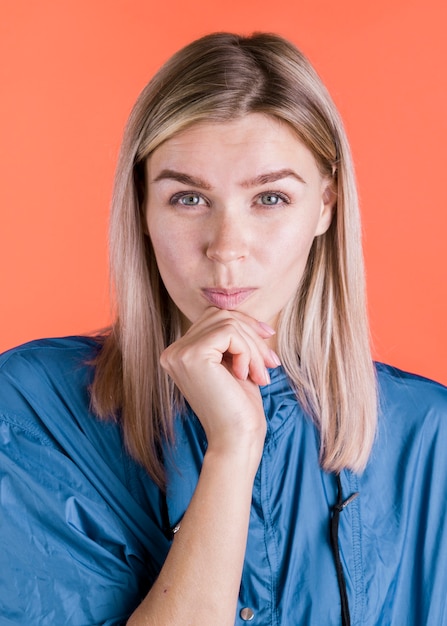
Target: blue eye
[272,199]
[189,199]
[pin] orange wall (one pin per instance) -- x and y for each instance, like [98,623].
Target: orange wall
[69,74]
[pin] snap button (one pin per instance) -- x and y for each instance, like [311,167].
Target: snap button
[247,614]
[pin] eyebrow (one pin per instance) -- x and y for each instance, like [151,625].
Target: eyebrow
[271,177]
[180,177]
[262,179]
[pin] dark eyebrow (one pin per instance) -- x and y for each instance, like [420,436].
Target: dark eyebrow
[180,177]
[271,177]
[194,181]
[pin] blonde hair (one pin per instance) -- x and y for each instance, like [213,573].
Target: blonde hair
[323,335]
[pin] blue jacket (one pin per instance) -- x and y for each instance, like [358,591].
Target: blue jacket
[84,531]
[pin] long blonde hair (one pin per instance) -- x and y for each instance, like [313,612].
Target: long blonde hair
[323,335]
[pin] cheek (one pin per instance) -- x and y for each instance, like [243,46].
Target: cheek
[172,250]
[293,242]
[161,247]
[288,256]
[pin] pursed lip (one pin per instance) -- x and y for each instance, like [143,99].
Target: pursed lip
[227,298]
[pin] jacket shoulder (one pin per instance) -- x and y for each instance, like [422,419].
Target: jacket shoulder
[411,408]
[47,352]
[44,378]
[411,390]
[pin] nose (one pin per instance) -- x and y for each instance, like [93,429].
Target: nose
[228,240]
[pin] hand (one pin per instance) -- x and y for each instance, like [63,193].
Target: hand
[218,366]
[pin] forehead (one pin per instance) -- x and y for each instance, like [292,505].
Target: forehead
[252,142]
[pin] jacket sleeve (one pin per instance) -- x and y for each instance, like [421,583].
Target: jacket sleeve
[78,544]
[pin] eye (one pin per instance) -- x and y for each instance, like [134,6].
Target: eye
[272,198]
[188,198]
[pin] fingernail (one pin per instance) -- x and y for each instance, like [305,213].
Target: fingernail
[268,329]
[275,357]
[267,377]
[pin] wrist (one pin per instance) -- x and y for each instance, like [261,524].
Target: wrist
[238,461]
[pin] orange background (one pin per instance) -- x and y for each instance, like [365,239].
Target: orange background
[70,72]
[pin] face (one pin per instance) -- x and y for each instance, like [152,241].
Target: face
[232,211]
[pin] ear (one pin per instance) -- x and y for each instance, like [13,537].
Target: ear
[328,204]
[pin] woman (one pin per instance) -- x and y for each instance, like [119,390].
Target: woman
[228,452]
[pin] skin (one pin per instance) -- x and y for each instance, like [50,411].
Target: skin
[232,231]
[232,212]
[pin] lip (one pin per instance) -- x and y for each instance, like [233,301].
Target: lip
[227,298]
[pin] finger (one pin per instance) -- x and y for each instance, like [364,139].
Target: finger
[230,334]
[257,332]
[250,357]
[261,328]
